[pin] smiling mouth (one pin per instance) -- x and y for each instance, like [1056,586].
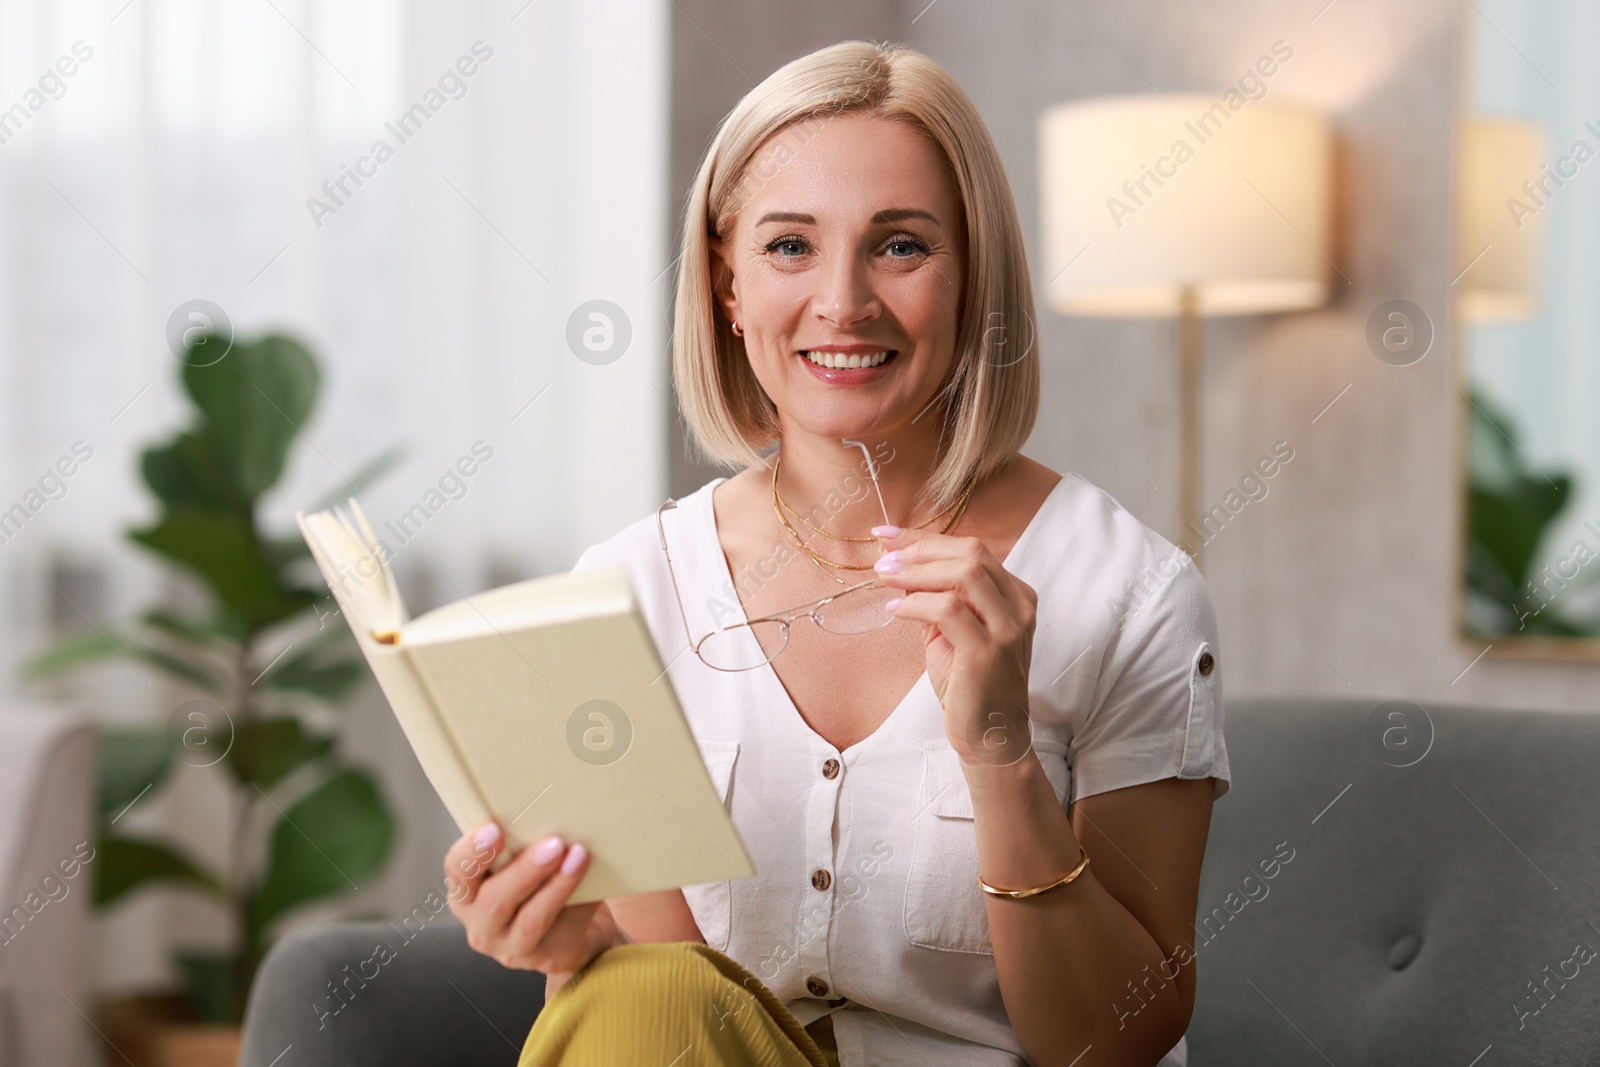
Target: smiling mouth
[850,360]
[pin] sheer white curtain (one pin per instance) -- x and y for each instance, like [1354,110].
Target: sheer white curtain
[185,156]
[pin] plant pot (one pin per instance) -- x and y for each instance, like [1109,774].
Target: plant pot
[161,1030]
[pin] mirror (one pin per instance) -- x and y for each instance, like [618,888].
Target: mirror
[1527,277]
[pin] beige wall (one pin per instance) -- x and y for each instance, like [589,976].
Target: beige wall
[1342,581]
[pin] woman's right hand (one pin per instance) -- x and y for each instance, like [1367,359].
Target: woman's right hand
[519,914]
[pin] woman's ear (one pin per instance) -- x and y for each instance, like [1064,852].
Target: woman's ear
[724,286]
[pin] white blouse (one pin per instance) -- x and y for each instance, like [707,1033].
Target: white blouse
[866,902]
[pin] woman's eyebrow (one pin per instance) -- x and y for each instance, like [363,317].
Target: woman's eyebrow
[787,216]
[898,214]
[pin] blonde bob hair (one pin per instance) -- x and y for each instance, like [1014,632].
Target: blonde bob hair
[990,399]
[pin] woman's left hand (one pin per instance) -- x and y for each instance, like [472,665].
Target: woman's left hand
[977,622]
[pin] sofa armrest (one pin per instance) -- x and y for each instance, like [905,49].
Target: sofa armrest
[358,993]
[47,841]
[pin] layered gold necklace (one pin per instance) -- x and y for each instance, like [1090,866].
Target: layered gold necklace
[779,506]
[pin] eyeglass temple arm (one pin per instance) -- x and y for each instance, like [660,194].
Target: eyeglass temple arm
[872,472]
[661,531]
[795,612]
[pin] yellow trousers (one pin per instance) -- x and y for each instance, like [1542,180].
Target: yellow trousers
[682,1004]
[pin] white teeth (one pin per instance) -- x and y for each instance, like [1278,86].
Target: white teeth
[839,360]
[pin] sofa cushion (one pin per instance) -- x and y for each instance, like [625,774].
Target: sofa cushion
[403,996]
[1395,884]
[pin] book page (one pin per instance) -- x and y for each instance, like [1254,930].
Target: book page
[413,708]
[355,567]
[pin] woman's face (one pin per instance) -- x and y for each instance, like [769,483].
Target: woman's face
[850,238]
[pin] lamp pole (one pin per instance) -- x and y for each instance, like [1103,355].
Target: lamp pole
[1189,421]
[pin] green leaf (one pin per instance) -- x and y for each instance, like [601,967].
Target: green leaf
[328,636]
[131,761]
[222,549]
[256,401]
[185,473]
[207,633]
[99,645]
[265,751]
[1511,525]
[73,652]
[330,681]
[123,864]
[283,551]
[180,668]
[326,843]
[365,475]
[325,664]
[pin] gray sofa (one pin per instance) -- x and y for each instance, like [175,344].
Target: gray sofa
[1384,885]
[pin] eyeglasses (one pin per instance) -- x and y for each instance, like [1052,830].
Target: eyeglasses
[744,646]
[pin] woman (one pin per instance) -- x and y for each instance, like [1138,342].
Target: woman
[921,797]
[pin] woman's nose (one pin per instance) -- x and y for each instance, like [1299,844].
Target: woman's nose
[845,295]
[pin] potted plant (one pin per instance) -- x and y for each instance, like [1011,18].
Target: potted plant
[256,669]
[1511,508]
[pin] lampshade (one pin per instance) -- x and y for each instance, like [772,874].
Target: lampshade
[1500,242]
[1145,196]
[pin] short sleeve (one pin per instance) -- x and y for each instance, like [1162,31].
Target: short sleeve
[622,548]
[590,558]
[1160,712]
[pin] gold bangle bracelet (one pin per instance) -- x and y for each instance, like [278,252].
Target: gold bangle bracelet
[1021,894]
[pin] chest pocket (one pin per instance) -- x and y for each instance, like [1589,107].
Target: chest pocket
[711,902]
[944,906]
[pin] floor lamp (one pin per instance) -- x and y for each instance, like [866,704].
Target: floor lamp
[1499,254]
[1185,205]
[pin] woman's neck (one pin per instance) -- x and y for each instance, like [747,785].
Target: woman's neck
[829,482]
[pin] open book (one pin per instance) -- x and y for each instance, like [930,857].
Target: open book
[543,705]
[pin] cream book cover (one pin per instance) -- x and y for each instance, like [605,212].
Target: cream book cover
[544,705]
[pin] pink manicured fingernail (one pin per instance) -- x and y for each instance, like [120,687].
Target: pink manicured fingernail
[886,531]
[889,565]
[890,605]
[487,835]
[575,857]
[548,849]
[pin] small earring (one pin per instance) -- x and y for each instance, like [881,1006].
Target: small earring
[737,330]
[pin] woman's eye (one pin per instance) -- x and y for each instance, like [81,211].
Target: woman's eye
[898,247]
